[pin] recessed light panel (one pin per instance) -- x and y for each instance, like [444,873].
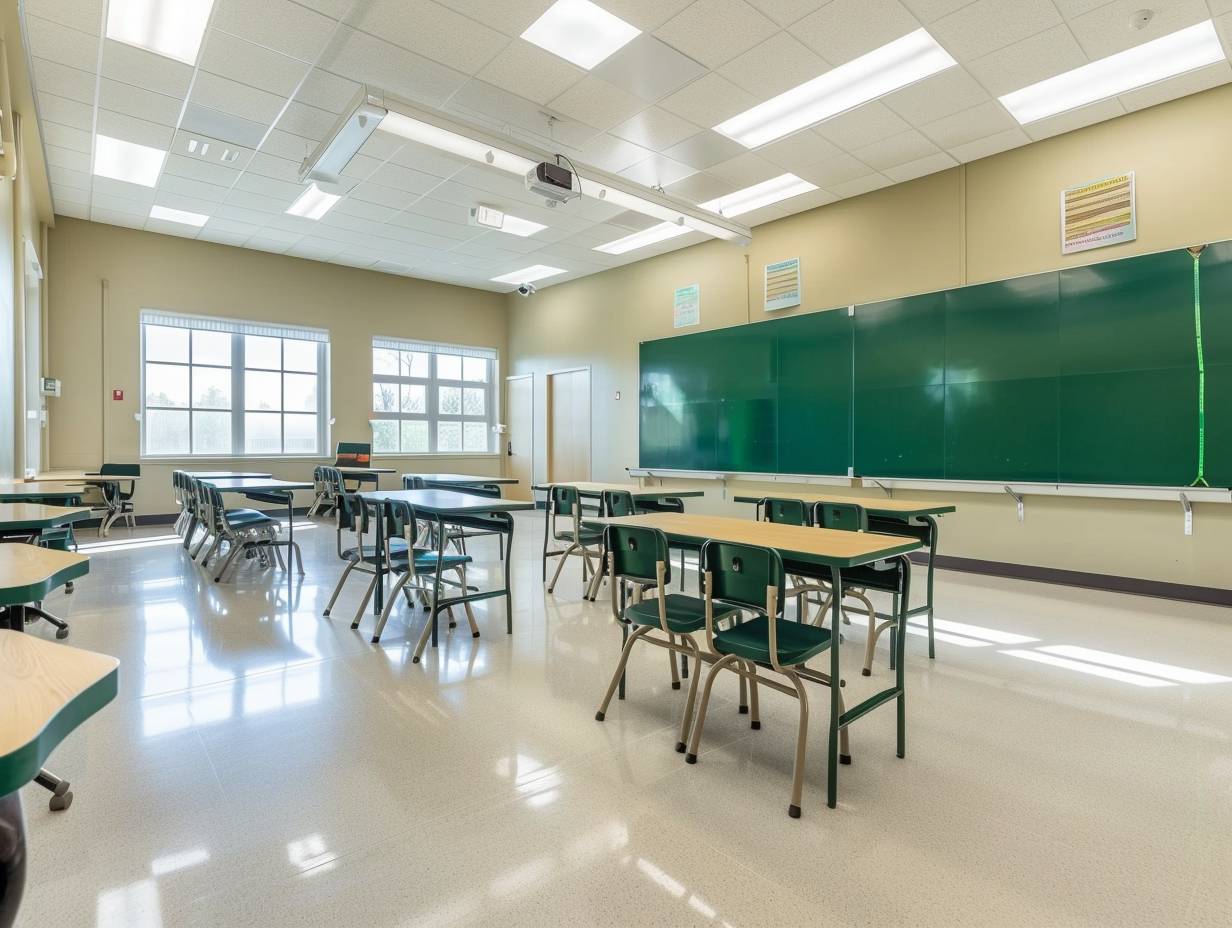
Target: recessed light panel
[1148,63]
[127,161]
[883,70]
[425,133]
[173,28]
[515,225]
[528,275]
[178,215]
[580,32]
[313,203]
[652,236]
[783,187]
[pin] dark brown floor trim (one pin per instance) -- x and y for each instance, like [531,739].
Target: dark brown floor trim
[1157,588]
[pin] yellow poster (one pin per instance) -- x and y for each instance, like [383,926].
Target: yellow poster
[1098,214]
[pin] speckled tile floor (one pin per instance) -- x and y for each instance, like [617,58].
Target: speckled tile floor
[267,766]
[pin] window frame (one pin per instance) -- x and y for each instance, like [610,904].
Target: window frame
[432,387]
[236,330]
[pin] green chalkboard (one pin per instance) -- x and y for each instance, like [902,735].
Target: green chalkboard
[1085,375]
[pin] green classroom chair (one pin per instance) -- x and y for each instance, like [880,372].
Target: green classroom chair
[640,558]
[613,504]
[753,578]
[564,503]
[351,515]
[458,534]
[675,504]
[795,512]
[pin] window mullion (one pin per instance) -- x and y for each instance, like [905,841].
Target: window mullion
[238,400]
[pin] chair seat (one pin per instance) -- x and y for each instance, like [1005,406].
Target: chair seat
[586,537]
[246,518]
[797,642]
[684,613]
[397,548]
[426,560]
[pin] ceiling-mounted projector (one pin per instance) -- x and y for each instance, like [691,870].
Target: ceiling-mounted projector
[553,182]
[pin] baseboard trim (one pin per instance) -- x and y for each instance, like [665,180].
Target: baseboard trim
[1158,589]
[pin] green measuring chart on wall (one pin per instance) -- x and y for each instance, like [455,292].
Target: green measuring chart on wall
[1113,373]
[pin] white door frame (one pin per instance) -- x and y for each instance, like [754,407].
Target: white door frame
[503,451]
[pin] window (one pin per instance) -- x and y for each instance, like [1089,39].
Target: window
[218,388]
[432,399]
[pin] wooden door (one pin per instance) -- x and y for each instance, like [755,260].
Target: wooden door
[519,441]
[569,426]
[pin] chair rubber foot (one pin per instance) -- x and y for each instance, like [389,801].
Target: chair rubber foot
[474,634]
[844,758]
[61,633]
[325,613]
[679,747]
[690,758]
[599,716]
[866,672]
[675,684]
[744,710]
[354,625]
[756,726]
[61,802]
[793,811]
[414,660]
[375,639]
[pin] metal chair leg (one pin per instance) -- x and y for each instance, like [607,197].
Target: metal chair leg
[351,565]
[696,737]
[564,556]
[797,775]
[620,670]
[363,603]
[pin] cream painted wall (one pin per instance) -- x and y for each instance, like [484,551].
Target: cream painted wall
[93,354]
[987,220]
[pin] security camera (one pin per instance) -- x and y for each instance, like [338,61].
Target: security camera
[526,290]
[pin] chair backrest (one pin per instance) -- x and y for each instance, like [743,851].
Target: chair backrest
[122,470]
[349,513]
[400,521]
[784,511]
[743,575]
[353,454]
[562,500]
[332,478]
[412,482]
[636,553]
[177,487]
[847,517]
[616,503]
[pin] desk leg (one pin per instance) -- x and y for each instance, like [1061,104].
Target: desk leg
[12,858]
[932,554]
[508,583]
[378,598]
[836,682]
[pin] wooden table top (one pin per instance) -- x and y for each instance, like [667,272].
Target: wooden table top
[885,507]
[226,474]
[46,690]
[15,492]
[257,484]
[28,573]
[85,477]
[36,515]
[828,547]
[439,502]
[593,488]
[462,479]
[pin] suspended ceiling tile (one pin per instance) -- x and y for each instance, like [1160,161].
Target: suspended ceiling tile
[64,81]
[988,25]
[430,29]
[646,15]
[384,196]
[238,99]
[67,177]
[307,121]
[511,17]
[67,158]
[846,29]
[700,187]
[705,149]
[927,11]
[1106,29]
[936,97]
[283,191]
[1194,82]
[786,12]
[862,126]
[135,101]
[1074,119]
[67,137]
[82,15]
[776,65]
[205,120]
[117,218]
[277,24]
[67,112]
[537,75]
[57,42]
[839,169]
[234,58]
[746,170]
[989,145]
[611,153]
[897,149]
[212,173]
[867,184]
[648,68]
[407,179]
[709,100]
[799,150]
[136,66]
[595,101]
[360,57]
[656,129]
[1054,51]
[428,160]
[716,31]
[186,186]
[132,129]
[267,165]
[929,164]
[658,171]
[327,91]
[975,123]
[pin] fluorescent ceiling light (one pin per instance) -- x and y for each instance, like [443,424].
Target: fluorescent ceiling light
[178,215]
[1148,63]
[127,161]
[652,236]
[528,275]
[313,203]
[442,139]
[173,28]
[522,228]
[783,187]
[581,32]
[904,61]
[346,141]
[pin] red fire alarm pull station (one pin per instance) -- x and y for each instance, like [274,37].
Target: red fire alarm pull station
[117,394]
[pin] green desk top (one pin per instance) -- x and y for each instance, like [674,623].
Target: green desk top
[462,480]
[447,502]
[28,573]
[822,546]
[32,492]
[19,516]
[879,506]
[46,690]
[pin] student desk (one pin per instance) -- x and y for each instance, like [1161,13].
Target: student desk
[28,573]
[825,548]
[269,490]
[110,484]
[227,474]
[591,490]
[459,480]
[37,491]
[446,507]
[32,517]
[46,691]
[893,517]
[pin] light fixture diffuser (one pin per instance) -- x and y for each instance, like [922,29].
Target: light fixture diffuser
[425,133]
[528,275]
[313,203]
[783,187]
[127,161]
[172,28]
[643,239]
[883,70]
[179,215]
[580,32]
[516,225]
[1149,63]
